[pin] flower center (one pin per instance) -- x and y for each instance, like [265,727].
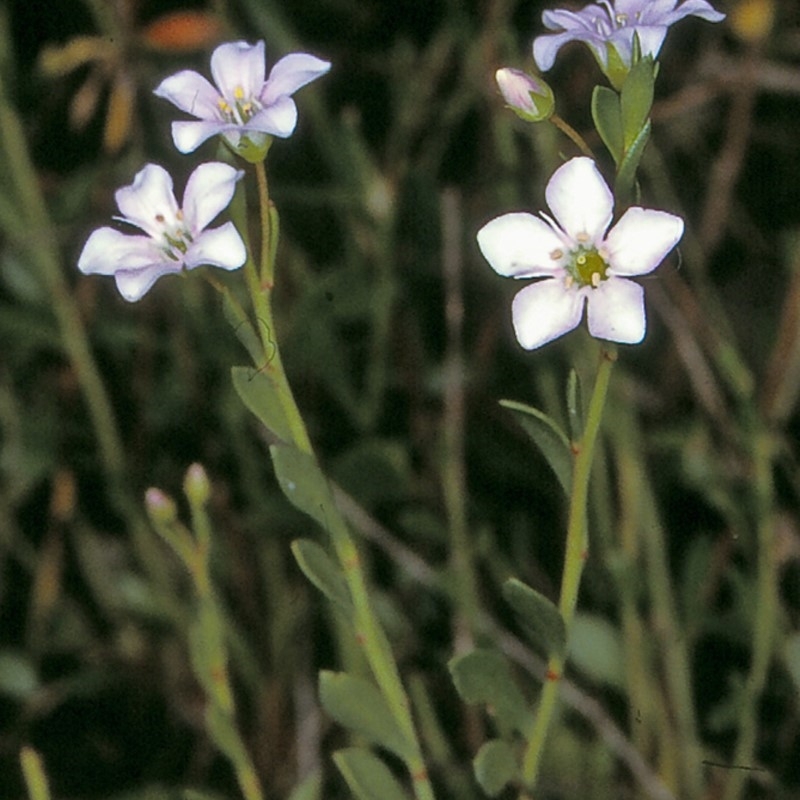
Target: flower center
[176,237]
[586,267]
[240,109]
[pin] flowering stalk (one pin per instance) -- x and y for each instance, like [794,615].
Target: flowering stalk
[370,633]
[574,560]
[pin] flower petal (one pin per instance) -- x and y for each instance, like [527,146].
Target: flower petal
[238,66]
[544,311]
[134,284]
[615,311]
[580,199]
[209,189]
[191,93]
[520,245]
[149,202]
[291,73]
[108,250]
[278,119]
[695,8]
[641,239]
[218,247]
[189,135]
[546,47]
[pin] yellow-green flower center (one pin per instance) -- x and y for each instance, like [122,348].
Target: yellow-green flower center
[587,267]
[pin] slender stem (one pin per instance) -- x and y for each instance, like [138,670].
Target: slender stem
[574,560]
[571,133]
[370,633]
[766,611]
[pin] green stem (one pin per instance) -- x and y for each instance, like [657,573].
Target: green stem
[370,633]
[574,560]
[766,613]
[572,134]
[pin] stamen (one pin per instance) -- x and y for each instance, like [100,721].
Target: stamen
[160,218]
[596,279]
[569,281]
[583,238]
[622,20]
[238,93]
[557,254]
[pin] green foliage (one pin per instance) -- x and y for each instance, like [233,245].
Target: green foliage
[484,677]
[367,776]
[357,704]
[540,617]
[495,766]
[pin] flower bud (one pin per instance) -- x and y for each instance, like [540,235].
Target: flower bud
[196,485]
[160,508]
[529,98]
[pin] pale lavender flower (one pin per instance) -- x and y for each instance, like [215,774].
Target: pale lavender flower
[243,107]
[175,238]
[583,263]
[614,22]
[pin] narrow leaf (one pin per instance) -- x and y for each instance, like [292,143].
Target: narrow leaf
[367,776]
[495,766]
[548,437]
[259,394]
[608,120]
[303,482]
[636,100]
[626,172]
[357,704]
[242,327]
[323,572]
[484,677]
[539,615]
[595,648]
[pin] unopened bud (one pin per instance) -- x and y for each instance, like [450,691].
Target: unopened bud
[160,507]
[529,98]
[196,484]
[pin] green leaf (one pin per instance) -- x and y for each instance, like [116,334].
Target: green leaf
[303,482]
[357,704]
[626,172]
[608,120]
[636,100]
[539,615]
[258,392]
[242,327]
[367,776]
[323,572]
[595,649]
[548,437]
[484,677]
[495,766]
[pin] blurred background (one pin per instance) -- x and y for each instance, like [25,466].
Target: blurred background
[397,339]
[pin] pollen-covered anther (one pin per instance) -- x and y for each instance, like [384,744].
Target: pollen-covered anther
[569,281]
[622,19]
[583,238]
[238,93]
[557,254]
[596,279]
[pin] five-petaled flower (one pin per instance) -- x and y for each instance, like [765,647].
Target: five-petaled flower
[612,24]
[583,265]
[176,238]
[243,107]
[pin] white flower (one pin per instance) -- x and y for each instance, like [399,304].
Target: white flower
[176,238]
[583,265]
[242,107]
[613,23]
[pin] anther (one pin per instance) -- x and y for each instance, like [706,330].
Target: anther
[557,254]
[568,281]
[596,279]
[583,238]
